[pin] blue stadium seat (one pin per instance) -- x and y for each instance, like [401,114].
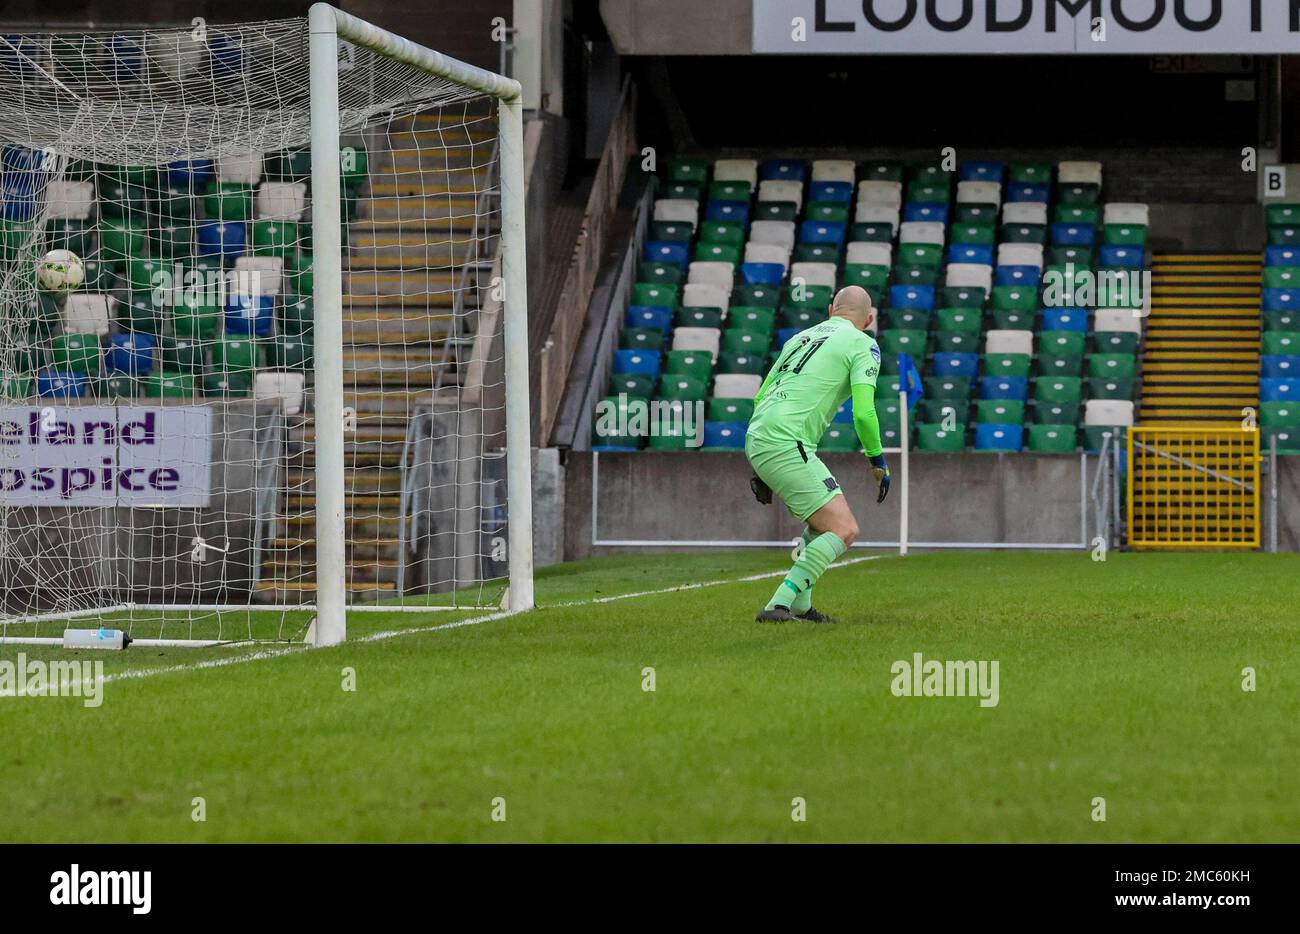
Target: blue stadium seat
[131,353]
[1282,256]
[649,316]
[1065,319]
[54,384]
[911,296]
[762,273]
[831,191]
[1005,387]
[999,437]
[785,170]
[1280,366]
[977,171]
[818,232]
[1281,299]
[1029,193]
[636,361]
[844,414]
[1074,234]
[1126,257]
[249,314]
[925,211]
[665,251]
[221,238]
[1279,390]
[725,434]
[1027,276]
[783,335]
[948,365]
[970,253]
[736,212]
[193,175]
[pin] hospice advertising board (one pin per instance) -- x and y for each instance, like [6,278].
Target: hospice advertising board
[1027,27]
[104,455]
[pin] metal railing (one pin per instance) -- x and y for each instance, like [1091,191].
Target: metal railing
[269,470]
[414,508]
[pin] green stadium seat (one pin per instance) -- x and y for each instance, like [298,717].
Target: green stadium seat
[717,253]
[948,389]
[1005,320]
[776,211]
[1059,389]
[63,233]
[752,318]
[839,437]
[792,317]
[1284,236]
[742,341]
[1094,435]
[1286,437]
[682,191]
[694,316]
[232,385]
[234,355]
[696,363]
[119,200]
[1078,194]
[632,384]
[140,314]
[882,171]
[1000,412]
[960,320]
[116,386]
[816,253]
[275,238]
[654,294]
[1282,342]
[1108,388]
[180,355]
[1056,413]
[1112,365]
[871,233]
[1007,364]
[916,275]
[754,296]
[683,387]
[145,275]
[815,297]
[974,234]
[905,319]
[1059,365]
[727,232]
[929,192]
[668,442]
[228,201]
[956,342]
[297,315]
[1061,256]
[672,231]
[1275,414]
[355,162]
[1077,214]
[893,343]
[647,339]
[827,212]
[120,238]
[1014,298]
[1053,439]
[872,278]
[661,273]
[919,254]
[79,353]
[292,353]
[732,361]
[730,191]
[730,410]
[170,241]
[1024,233]
[1279,214]
[962,296]
[196,317]
[969,213]
[937,438]
[937,411]
[1123,342]
[1281,277]
[1125,235]
[176,202]
[168,386]
[933,173]
[1061,343]
[15,387]
[1029,173]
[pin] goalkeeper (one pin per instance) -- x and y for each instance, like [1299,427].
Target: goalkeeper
[816,371]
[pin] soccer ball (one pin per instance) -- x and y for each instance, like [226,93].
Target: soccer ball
[60,271]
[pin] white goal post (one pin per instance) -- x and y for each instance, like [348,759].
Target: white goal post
[327,24]
[366,348]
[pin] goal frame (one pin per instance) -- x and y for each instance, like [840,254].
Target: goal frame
[326,25]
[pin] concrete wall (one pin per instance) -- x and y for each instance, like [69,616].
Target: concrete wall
[1288,504]
[694,496]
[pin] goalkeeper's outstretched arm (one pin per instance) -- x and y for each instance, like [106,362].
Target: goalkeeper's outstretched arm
[865,421]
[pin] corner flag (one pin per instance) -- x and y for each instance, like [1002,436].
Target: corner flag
[909,379]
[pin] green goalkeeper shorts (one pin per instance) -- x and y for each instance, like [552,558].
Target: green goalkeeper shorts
[794,474]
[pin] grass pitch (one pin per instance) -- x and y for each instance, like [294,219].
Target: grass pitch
[1120,680]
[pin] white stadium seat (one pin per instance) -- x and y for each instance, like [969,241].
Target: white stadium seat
[288,388]
[835,170]
[776,233]
[697,339]
[1079,173]
[1136,215]
[876,192]
[736,385]
[970,276]
[244,168]
[767,253]
[705,272]
[775,189]
[979,193]
[69,200]
[870,254]
[700,295]
[866,213]
[1108,412]
[258,275]
[88,313]
[1021,254]
[678,210]
[736,170]
[1024,212]
[1117,319]
[932,232]
[1020,342]
[814,273]
[281,201]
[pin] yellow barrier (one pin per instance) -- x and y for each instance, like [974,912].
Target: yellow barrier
[1193,488]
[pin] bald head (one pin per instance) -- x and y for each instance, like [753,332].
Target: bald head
[854,303]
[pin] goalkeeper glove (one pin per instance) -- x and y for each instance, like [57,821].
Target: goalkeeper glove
[880,470]
[762,492]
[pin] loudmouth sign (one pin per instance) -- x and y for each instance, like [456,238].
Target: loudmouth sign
[103,455]
[1027,27]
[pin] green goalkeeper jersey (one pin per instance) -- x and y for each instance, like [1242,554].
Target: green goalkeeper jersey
[816,371]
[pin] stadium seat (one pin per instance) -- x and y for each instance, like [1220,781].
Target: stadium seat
[839,437]
[722,409]
[733,361]
[1064,319]
[823,274]
[736,170]
[1112,366]
[1053,439]
[682,387]
[55,384]
[635,361]
[1029,193]
[1279,390]
[949,365]
[1278,366]
[1122,257]
[930,437]
[1079,173]
[870,254]
[881,192]
[647,340]
[1009,342]
[922,232]
[660,251]
[87,313]
[999,437]
[834,170]
[632,384]
[970,276]
[1032,213]
[1068,389]
[795,170]
[737,385]
[925,211]
[724,436]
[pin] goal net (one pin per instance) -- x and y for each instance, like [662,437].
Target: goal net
[266,382]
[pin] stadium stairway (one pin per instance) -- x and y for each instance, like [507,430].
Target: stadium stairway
[414,229]
[1200,366]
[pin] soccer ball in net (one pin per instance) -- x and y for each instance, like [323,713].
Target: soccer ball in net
[60,271]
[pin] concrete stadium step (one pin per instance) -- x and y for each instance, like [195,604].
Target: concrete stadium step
[453,213]
[405,282]
[1201,349]
[395,326]
[274,591]
[304,549]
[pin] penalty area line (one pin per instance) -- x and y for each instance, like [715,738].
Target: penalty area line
[457,624]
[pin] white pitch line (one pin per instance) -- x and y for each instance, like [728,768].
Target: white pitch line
[473,621]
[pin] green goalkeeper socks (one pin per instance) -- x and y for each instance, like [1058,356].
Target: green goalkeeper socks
[803,602]
[816,558]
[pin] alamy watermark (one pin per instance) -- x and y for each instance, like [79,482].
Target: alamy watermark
[627,416]
[922,677]
[25,677]
[1110,288]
